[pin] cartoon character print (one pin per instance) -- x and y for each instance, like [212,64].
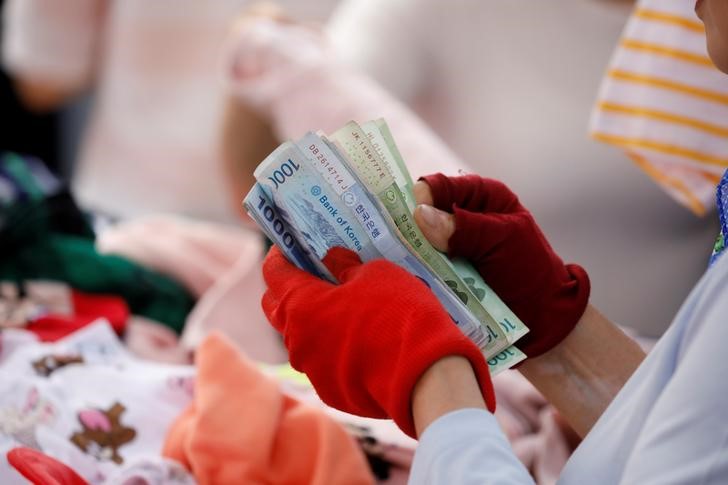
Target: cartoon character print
[48,364]
[184,384]
[21,422]
[103,434]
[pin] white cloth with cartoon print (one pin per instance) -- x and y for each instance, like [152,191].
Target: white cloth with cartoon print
[89,403]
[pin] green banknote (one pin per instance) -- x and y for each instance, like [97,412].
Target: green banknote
[384,146]
[510,324]
[381,229]
[375,173]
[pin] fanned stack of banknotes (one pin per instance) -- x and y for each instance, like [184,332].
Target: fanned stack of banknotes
[352,189]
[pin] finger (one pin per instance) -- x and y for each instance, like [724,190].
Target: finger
[341,262]
[281,275]
[423,194]
[270,304]
[477,235]
[437,226]
[471,192]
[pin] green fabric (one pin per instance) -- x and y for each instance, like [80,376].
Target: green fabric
[15,166]
[26,221]
[37,208]
[43,235]
[74,260]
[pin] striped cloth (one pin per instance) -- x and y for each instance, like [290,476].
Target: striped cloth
[664,102]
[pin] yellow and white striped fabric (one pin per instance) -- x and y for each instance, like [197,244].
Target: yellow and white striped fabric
[665,103]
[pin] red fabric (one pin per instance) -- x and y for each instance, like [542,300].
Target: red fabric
[365,342]
[504,243]
[87,308]
[41,469]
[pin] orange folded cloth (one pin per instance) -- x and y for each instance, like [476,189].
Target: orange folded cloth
[240,428]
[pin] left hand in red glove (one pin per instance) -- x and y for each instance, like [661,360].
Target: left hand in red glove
[365,342]
[481,220]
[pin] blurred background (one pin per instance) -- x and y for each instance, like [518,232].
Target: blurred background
[509,86]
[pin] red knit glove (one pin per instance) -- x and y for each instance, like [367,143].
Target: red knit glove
[365,342]
[500,237]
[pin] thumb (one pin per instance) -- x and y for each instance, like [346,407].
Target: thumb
[279,273]
[340,261]
[437,226]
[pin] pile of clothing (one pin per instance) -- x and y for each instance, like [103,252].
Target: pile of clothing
[114,418]
[54,281]
[96,350]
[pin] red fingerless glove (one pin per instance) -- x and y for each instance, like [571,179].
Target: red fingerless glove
[501,239]
[365,342]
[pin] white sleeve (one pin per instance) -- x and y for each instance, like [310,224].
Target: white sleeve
[685,438]
[466,447]
[51,40]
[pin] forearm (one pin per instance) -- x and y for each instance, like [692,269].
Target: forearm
[460,441]
[447,386]
[582,374]
[246,140]
[41,97]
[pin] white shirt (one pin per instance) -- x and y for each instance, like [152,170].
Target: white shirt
[668,425]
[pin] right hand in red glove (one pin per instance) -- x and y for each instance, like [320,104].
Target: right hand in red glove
[481,220]
[365,342]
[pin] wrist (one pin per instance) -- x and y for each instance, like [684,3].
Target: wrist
[448,385]
[583,373]
[564,302]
